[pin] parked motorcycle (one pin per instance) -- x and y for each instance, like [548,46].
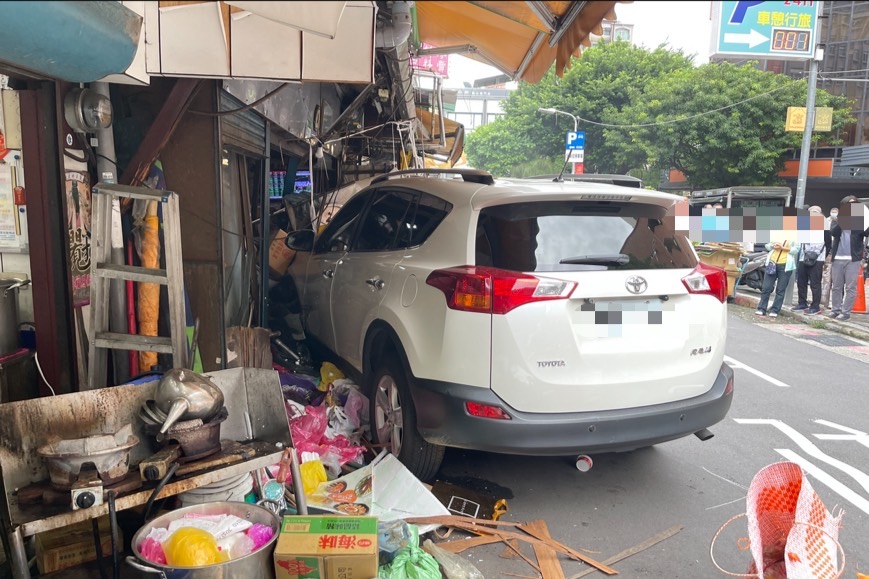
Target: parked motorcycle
[751,269]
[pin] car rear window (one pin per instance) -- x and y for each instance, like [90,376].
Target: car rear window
[580,236]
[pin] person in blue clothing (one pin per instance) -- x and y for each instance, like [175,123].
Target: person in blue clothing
[783,254]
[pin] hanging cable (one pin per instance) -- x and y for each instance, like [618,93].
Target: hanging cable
[246,107]
[689,117]
[41,374]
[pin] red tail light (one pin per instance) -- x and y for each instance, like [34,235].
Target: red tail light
[480,410]
[707,279]
[494,291]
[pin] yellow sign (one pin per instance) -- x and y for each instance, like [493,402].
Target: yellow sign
[823,118]
[796,119]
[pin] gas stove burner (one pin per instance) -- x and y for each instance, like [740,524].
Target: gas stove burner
[107,454]
[196,438]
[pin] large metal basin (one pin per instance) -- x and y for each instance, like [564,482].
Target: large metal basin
[258,564]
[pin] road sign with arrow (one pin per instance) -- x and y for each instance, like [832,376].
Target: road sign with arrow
[783,30]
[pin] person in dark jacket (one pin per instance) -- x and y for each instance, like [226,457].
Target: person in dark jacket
[810,267]
[848,233]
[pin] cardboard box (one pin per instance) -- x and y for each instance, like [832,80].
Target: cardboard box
[327,547]
[71,546]
[280,256]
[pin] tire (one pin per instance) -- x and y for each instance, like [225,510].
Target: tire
[390,393]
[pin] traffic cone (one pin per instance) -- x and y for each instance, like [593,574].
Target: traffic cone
[860,300]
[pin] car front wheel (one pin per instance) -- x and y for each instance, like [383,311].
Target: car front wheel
[393,422]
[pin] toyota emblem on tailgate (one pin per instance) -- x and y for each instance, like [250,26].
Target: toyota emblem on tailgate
[636,284]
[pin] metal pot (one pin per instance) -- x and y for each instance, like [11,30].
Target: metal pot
[258,564]
[9,284]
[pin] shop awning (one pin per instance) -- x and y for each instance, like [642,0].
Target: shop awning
[522,39]
[71,41]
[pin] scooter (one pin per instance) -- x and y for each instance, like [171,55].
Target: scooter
[751,269]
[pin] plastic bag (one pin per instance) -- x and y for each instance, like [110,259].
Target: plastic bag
[313,473]
[328,374]
[454,566]
[191,547]
[152,551]
[411,562]
[261,535]
[310,428]
[392,537]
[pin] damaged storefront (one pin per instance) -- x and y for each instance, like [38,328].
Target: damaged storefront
[160,397]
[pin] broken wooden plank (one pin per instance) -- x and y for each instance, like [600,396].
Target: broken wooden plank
[479,526]
[550,567]
[523,557]
[463,545]
[650,542]
[510,549]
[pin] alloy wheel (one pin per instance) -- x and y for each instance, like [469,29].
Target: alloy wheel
[388,419]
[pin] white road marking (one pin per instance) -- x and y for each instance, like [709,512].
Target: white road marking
[725,504]
[856,435]
[737,364]
[809,448]
[827,479]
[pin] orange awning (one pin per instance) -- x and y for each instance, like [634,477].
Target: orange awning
[522,39]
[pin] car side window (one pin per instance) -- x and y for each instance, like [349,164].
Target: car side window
[383,220]
[423,218]
[339,232]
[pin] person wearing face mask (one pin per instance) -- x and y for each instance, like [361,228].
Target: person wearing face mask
[826,277]
[849,235]
[810,265]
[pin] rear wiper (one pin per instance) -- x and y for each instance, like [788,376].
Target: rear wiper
[620,259]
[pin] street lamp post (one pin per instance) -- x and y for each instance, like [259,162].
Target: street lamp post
[551,111]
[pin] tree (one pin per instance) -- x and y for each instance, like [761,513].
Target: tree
[719,124]
[598,86]
[646,111]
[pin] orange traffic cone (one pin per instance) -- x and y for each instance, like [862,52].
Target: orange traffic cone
[860,300]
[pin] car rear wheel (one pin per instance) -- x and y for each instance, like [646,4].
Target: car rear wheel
[393,422]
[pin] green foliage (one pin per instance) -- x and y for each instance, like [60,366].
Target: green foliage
[733,145]
[622,85]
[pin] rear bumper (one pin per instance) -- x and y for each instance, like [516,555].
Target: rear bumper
[442,419]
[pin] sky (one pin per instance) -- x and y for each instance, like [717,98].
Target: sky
[684,25]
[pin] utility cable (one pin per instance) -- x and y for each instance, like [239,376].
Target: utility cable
[689,117]
[246,107]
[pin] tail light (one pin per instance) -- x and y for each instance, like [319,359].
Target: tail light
[707,279]
[480,410]
[494,291]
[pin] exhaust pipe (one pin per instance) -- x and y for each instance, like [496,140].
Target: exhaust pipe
[704,434]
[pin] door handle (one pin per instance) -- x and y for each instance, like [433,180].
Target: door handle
[376,283]
[328,273]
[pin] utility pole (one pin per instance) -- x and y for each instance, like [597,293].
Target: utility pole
[807,131]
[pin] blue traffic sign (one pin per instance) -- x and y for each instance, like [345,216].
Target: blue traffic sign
[783,30]
[575,141]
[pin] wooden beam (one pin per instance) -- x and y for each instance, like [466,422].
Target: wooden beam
[160,131]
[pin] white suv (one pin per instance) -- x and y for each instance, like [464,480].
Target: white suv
[523,317]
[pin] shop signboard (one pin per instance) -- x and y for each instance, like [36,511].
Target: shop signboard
[77,186]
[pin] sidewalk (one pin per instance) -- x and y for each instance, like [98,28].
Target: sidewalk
[857,327]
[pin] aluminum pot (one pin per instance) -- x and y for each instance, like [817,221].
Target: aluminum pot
[258,564]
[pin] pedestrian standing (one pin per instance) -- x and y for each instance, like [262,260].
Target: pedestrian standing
[780,264]
[827,277]
[849,235]
[810,265]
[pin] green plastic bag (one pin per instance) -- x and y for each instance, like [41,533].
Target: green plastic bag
[411,562]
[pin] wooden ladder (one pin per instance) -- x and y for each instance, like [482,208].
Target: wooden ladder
[103,271]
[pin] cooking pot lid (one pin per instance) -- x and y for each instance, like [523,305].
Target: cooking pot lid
[9,279]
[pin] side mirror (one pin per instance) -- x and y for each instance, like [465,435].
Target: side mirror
[302,240]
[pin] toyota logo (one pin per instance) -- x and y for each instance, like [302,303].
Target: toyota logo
[636,284]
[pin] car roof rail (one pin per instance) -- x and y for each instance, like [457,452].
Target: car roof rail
[469,175]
